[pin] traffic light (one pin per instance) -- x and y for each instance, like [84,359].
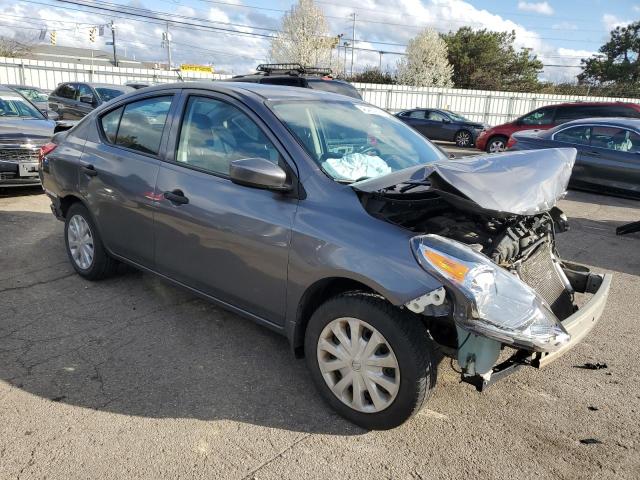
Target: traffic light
[52,37]
[92,34]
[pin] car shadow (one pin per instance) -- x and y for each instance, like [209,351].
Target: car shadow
[135,345]
[20,191]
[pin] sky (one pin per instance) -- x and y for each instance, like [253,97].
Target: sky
[560,32]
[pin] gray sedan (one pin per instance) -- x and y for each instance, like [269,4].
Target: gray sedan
[333,223]
[608,157]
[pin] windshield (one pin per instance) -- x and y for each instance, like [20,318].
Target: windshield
[334,86]
[33,94]
[456,116]
[109,93]
[11,106]
[355,141]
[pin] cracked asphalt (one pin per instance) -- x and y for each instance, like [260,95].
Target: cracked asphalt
[133,378]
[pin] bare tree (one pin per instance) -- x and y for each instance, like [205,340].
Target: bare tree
[426,63]
[304,38]
[15,47]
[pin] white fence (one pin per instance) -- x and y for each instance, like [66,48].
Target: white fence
[479,105]
[47,74]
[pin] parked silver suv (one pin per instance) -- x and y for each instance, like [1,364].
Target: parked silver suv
[329,221]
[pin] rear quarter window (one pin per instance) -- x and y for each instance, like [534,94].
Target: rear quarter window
[138,125]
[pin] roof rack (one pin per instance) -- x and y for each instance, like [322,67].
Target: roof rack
[291,69]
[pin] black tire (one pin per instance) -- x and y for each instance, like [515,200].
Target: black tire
[406,336]
[463,138]
[493,141]
[102,264]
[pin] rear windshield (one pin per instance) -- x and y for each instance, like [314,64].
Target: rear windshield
[334,86]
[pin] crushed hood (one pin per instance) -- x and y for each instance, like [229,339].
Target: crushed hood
[519,183]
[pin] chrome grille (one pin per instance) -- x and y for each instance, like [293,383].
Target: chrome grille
[19,154]
[539,273]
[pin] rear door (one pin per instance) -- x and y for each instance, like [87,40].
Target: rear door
[226,240]
[612,160]
[62,101]
[417,119]
[437,125]
[118,173]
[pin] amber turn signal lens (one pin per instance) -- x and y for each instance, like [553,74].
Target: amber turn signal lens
[457,271]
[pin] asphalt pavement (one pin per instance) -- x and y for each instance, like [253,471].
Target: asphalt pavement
[133,378]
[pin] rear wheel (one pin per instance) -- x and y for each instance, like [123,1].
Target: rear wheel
[84,246]
[497,144]
[463,138]
[371,362]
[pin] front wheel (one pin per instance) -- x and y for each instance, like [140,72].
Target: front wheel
[370,361]
[463,139]
[496,144]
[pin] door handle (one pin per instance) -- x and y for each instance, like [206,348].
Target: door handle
[89,170]
[176,197]
[594,154]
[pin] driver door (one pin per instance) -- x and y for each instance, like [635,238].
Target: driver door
[228,241]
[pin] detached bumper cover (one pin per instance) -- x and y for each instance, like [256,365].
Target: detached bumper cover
[579,324]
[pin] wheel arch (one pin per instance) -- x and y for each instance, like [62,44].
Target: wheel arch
[314,296]
[67,201]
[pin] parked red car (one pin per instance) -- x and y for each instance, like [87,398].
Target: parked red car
[495,139]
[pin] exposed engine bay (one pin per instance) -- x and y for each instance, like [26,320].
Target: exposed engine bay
[522,244]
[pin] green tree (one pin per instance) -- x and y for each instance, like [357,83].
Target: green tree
[487,60]
[618,61]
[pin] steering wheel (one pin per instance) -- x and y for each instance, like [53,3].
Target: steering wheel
[365,149]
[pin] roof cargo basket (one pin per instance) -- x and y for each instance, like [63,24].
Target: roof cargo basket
[291,69]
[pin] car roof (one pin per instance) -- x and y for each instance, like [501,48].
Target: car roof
[15,85]
[590,104]
[267,92]
[617,121]
[94,84]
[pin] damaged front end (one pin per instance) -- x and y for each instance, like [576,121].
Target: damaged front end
[485,227]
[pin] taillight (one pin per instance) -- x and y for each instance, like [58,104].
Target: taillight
[45,150]
[512,141]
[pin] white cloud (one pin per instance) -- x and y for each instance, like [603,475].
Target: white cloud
[543,8]
[611,22]
[240,54]
[564,25]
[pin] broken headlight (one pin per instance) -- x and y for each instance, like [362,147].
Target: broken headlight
[489,300]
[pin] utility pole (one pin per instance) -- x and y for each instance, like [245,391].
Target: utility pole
[167,42]
[345,45]
[353,40]
[113,41]
[380,62]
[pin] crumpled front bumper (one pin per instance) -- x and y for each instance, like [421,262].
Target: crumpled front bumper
[580,323]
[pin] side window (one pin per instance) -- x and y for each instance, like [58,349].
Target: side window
[617,111]
[544,116]
[82,90]
[214,133]
[66,91]
[577,135]
[435,116]
[138,125]
[110,123]
[419,114]
[615,138]
[566,114]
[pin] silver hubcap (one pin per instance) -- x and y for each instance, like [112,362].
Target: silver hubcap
[80,241]
[463,139]
[496,146]
[358,365]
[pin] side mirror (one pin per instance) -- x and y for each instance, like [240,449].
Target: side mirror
[87,99]
[446,120]
[45,113]
[259,173]
[452,156]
